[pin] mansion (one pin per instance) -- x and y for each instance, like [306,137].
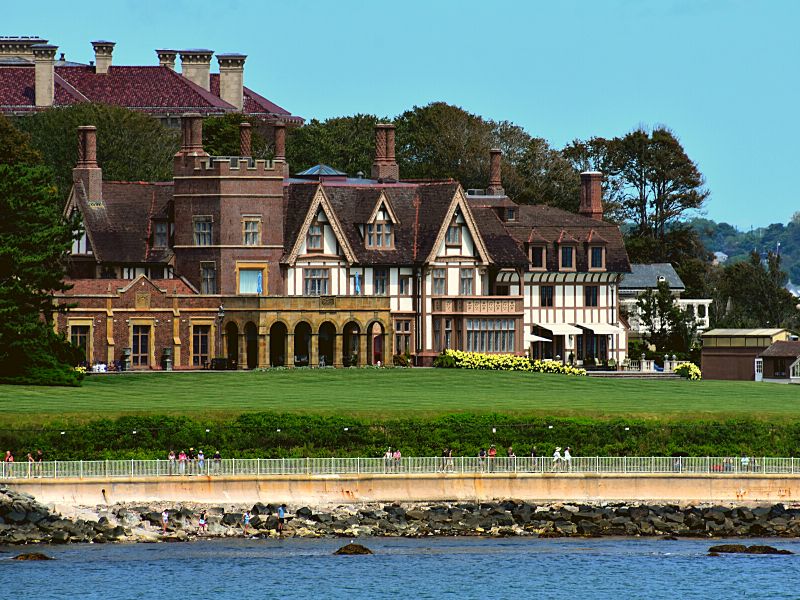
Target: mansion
[238,258]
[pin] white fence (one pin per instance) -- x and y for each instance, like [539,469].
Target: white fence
[103,469]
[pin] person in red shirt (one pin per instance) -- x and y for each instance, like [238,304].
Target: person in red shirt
[492,456]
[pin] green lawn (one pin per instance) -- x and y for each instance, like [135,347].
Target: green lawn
[396,393]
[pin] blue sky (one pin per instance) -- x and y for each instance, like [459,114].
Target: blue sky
[722,74]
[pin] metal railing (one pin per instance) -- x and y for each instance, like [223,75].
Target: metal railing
[104,469]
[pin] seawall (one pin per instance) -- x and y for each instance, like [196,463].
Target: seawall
[296,490]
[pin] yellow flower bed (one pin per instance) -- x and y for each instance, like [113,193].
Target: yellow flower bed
[458,359]
[689,370]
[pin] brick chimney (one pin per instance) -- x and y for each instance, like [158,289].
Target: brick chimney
[87,171]
[102,55]
[495,174]
[279,127]
[196,66]
[592,195]
[245,139]
[231,79]
[166,58]
[192,135]
[384,166]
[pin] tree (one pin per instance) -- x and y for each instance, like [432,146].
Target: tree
[221,136]
[751,293]
[33,246]
[667,326]
[131,146]
[15,146]
[344,143]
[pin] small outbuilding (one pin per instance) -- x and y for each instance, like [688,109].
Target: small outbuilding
[781,362]
[734,354]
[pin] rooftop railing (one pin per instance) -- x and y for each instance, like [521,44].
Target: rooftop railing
[104,469]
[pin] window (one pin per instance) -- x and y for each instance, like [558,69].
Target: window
[597,257]
[701,311]
[161,234]
[402,336]
[546,293]
[379,235]
[591,294]
[567,257]
[510,214]
[251,231]
[437,335]
[314,237]
[79,336]
[202,231]
[537,257]
[208,278]
[404,285]
[80,245]
[380,282]
[315,282]
[140,356]
[251,281]
[466,277]
[439,282]
[453,237]
[201,334]
[448,333]
[490,335]
[357,284]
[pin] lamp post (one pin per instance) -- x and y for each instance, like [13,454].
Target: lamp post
[220,316]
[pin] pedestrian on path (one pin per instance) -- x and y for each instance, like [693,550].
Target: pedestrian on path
[9,460]
[556,459]
[171,462]
[568,458]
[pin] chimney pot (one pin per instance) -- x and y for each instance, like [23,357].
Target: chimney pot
[192,135]
[245,139]
[231,79]
[87,171]
[384,166]
[495,173]
[166,58]
[592,195]
[44,56]
[196,66]
[103,51]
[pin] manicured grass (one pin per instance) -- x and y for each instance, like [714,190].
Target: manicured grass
[395,393]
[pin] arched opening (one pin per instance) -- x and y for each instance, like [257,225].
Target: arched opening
[327,336]
[350,346]
[232,339]
[302,344]
[251,338]
[277,345]
[375,344]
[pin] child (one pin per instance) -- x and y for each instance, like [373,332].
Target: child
[164,521]
[246,521]
[201,526]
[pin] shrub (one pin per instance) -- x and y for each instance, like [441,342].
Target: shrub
[458,359]
[689,371]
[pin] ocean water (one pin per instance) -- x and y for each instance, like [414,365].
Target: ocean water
[564,569]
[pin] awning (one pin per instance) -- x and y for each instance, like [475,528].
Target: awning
[560,328]
[601,328]
[538,338]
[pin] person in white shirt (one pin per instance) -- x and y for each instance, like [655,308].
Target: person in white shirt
[568,458]
[557,459]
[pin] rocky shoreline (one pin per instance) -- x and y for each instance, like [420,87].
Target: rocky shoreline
[25,521]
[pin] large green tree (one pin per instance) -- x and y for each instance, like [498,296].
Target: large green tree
[667,326]
[15,146]
[751,293]
[131,146]
[34,240]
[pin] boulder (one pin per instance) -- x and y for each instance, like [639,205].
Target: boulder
[32,556]
[304,512]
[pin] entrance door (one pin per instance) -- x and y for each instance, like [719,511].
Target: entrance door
[140,356]
[759,369]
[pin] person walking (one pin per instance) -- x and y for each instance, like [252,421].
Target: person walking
[281,519]
[556,459]
[397,457]
[246,521]
[30,464]
[387,460]
[482,459]
[745,463]
[39,458]
[492,457]
[9,463]
[568,458]
[450,467]
[201,525]
[164,521]
[201,461]
[191,461]
[182,462]
[171,462]
[217,462]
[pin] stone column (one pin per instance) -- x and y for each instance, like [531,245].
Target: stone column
[313,350]
[337,349]
[290,349]
[364,339]
[242,358]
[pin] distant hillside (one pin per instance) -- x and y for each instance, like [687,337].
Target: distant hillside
[722,237]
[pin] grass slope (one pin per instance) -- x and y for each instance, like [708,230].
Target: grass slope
[393,393]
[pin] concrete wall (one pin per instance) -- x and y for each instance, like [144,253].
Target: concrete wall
[337,489]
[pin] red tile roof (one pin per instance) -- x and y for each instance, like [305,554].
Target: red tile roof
[101,287]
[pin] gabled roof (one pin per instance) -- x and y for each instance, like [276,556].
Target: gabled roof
[113,287]
[383,201]
[565,237]
[321,202]
[459,203]
[119,226]
[647,276]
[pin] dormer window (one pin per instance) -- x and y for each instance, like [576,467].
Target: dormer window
[453,237]
[597,258]
[314,237]
[537,255]
[511,214]
[160,234]
[567,256]
[380,235]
